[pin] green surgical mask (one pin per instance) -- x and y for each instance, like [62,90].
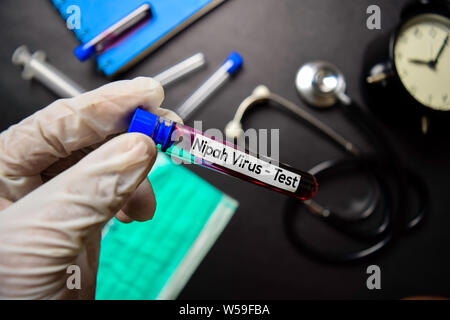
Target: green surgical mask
[155,259]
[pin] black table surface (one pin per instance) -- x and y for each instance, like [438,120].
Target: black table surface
[253,257]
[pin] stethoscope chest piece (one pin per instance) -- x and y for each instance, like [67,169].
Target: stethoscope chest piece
[320,84]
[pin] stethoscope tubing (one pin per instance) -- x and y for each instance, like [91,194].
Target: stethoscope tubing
[393,222]
[383,164]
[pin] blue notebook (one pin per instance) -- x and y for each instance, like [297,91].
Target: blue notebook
[168,18]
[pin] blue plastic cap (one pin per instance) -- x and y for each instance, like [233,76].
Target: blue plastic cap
[84,52]
[157,128]
[237,60]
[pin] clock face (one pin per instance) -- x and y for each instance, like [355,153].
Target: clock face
[422,60]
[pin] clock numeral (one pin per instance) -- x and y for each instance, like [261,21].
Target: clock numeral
[432,32]
[417,33]
[444,97]
[413,89]
[430,98]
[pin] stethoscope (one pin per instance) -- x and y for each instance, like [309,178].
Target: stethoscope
[322,85]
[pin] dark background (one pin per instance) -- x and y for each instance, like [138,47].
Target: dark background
[253,258]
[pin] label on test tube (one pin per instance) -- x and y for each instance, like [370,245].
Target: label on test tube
[228,157]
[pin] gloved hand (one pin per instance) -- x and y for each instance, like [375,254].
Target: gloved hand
[54,199]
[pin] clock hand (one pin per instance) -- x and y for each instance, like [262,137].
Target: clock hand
[436,60]
[426,63]
[432,63]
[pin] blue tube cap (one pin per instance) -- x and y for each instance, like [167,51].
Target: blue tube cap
[84,52]
[157,128]
[237,61]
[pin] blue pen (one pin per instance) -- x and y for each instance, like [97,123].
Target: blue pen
[233,63]
[105,38]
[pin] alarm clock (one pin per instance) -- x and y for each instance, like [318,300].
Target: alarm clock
[412,86]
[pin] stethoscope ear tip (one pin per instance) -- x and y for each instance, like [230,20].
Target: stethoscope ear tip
[233,130]
[261,92]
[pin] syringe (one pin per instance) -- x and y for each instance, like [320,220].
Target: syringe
[35,66]
[214,82]
[185,143]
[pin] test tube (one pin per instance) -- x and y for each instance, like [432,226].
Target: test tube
[181,69]
[192,146]
[211,85]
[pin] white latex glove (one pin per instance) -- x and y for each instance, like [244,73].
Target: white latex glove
[47,226]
